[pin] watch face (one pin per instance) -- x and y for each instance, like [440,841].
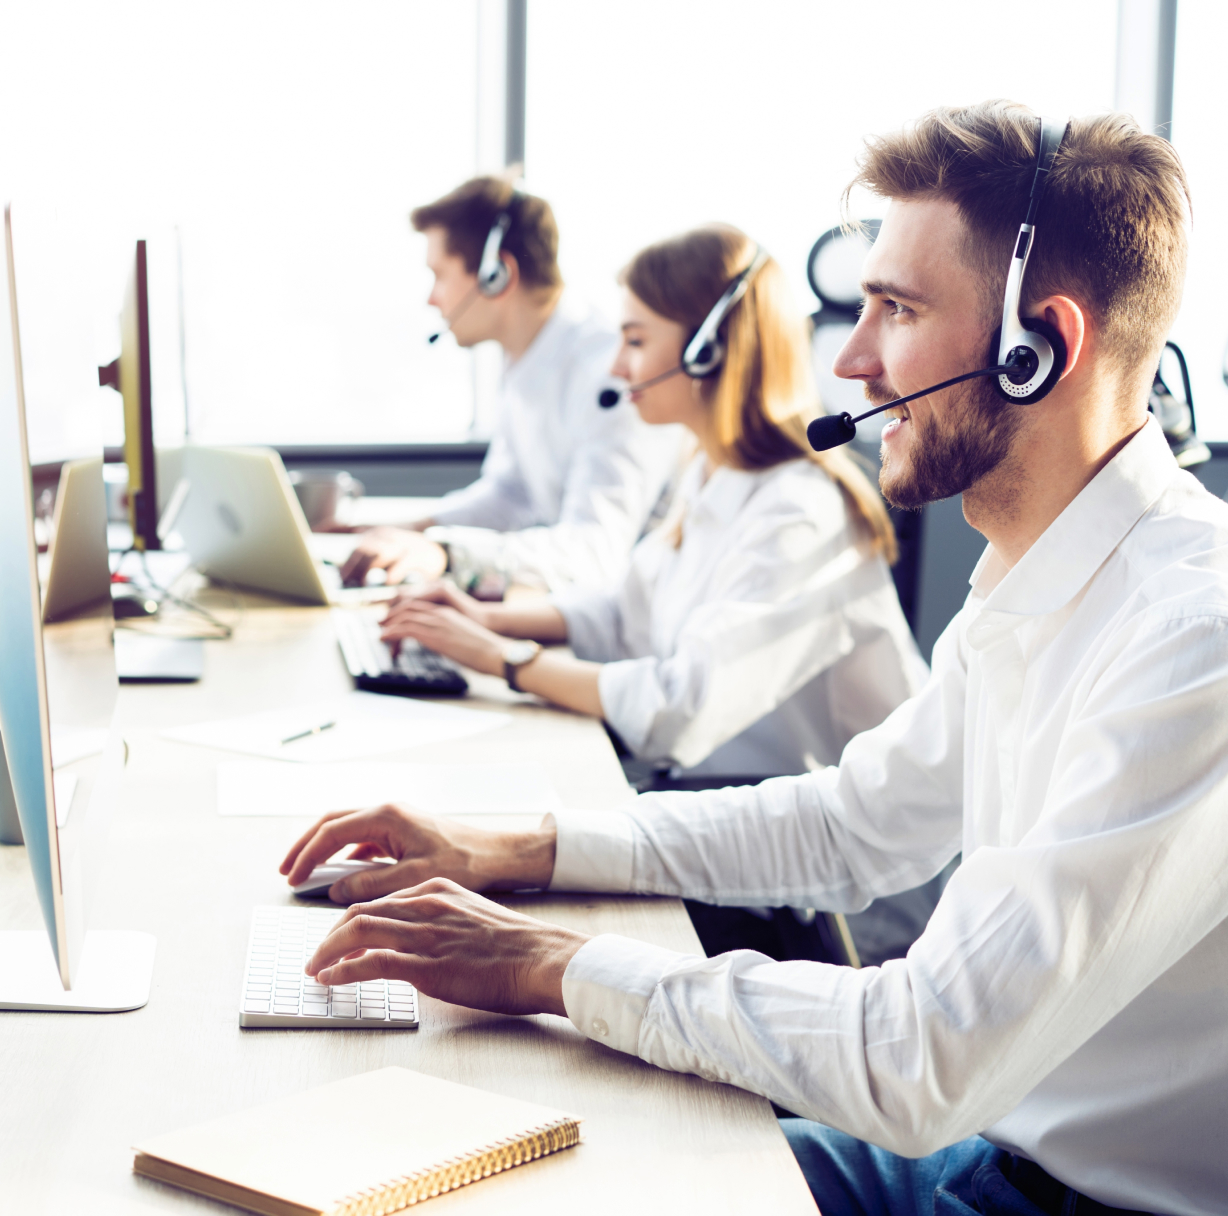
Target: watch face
[517,653]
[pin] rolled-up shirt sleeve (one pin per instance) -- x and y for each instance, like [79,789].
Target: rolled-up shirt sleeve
[594,622]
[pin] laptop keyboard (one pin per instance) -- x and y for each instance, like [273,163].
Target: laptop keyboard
[376,669]
[276,992]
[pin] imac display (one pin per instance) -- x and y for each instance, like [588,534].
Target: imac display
[64,755]
[129,375]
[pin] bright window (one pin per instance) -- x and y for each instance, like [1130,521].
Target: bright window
[646,118]
[275,149]
[1198,135]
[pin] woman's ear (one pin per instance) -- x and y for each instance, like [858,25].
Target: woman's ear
[1069,319]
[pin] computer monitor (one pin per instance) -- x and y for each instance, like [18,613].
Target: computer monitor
[64,754]
[129,375]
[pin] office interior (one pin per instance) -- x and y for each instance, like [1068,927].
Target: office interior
[267,158]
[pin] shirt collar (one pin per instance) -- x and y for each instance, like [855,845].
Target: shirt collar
[1077,543]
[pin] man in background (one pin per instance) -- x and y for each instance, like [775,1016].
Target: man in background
[566,487]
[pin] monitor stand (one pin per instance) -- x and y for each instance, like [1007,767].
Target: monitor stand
[114,973]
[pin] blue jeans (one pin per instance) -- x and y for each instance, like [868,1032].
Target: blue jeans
[849,1177]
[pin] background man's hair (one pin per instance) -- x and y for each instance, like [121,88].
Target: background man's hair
[1111,231]
[467,214]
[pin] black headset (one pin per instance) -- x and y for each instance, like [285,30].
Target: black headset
[704,352]
[493,273]
[1031,352]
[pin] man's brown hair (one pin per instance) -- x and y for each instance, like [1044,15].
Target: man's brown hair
[468,213]
[1111,230]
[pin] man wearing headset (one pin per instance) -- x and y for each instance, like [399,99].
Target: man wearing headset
[566,488]
[1057,1039]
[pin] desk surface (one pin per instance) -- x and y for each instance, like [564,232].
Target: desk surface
[77,1090]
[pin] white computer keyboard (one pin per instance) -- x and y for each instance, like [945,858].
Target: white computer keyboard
[276,992]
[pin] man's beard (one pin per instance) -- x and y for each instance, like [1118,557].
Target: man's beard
[948,457]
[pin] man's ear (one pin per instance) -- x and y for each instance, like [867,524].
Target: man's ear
[1069,319]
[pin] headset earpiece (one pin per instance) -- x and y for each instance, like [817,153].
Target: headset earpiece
[495,282]
[1039,354]
[703,359]
[493,272]
[704,352]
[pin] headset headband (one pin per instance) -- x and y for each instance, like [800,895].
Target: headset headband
[705,352]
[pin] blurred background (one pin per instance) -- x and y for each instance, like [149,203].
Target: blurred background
[269,153]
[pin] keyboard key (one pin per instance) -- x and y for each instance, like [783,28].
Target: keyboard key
[255,1006]
[402,1015]
[313,1009]
[344,1011]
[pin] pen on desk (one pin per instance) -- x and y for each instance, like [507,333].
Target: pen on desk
[313,730]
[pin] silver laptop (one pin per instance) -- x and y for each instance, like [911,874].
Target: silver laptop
[77,565]
[242,523]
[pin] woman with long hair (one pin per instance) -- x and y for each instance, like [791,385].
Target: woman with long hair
[757,628]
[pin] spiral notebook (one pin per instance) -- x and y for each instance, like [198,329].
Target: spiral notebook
[373,1143]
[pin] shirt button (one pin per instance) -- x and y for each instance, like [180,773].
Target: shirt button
[601,1027]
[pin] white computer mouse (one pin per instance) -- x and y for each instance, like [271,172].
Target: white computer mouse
[323,876]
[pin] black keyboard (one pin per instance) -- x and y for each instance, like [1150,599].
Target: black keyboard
[412,670]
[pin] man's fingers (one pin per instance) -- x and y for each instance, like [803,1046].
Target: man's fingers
[354,572]
[333,833]
[400,569]
[373,884]
[297,846]
[372,965]
[364,931]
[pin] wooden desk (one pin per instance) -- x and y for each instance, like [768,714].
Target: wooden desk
[77,1090]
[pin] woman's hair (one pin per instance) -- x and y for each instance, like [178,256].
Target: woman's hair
[764,393]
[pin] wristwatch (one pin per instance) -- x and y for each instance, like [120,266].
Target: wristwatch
[515,656]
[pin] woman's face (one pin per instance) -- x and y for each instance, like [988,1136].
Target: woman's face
[652,346]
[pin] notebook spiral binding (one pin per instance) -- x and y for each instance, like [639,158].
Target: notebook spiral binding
[460,1171]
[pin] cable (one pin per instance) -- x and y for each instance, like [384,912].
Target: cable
[224,632]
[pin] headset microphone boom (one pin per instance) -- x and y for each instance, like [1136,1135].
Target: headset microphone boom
[1031,352]
[704,352]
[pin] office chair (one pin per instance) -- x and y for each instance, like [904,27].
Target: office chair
[1176,414]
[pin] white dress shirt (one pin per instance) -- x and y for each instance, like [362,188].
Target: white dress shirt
[762,643]
[566,488]
[1069,999]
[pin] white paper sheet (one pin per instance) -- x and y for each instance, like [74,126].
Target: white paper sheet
[367,724]
[261,787]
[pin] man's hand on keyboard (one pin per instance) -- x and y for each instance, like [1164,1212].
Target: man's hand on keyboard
[423,847]
[397,551]
[454,945]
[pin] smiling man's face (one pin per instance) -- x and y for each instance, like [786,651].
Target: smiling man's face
[926,319]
